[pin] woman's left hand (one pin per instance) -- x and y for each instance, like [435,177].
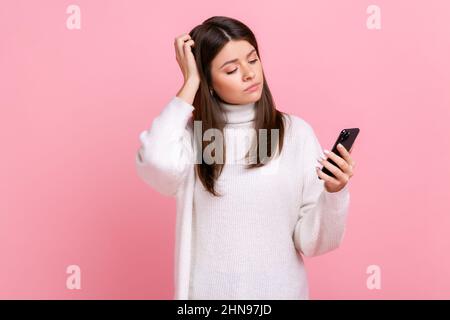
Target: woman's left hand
[343,173]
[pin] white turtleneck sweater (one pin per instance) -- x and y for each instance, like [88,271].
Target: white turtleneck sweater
[249,243]
[242,244]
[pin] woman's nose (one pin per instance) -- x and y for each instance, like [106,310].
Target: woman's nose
[248,73]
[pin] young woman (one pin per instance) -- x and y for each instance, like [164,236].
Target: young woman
[242,227]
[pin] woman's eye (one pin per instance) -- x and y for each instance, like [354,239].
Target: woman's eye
[253,61]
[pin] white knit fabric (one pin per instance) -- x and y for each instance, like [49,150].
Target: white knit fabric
[249,243]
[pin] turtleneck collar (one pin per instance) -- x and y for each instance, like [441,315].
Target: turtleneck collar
[239,113]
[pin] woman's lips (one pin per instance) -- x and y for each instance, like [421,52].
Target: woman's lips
[252,88]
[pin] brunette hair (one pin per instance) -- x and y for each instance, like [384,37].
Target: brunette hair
[210,37]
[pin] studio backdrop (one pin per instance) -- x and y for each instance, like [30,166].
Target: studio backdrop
[80,80]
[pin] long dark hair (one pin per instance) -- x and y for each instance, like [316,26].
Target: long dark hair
[210,37]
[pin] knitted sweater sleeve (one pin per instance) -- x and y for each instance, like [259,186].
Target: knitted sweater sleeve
[322,216]
[166,154]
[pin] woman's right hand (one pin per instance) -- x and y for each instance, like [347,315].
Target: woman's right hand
[186,59]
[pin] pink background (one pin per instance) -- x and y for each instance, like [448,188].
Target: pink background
[73,103]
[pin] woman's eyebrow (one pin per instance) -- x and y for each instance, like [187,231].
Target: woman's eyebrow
[234,60]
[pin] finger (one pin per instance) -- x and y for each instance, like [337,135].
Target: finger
[345,154]
[353,162]
[187,46]
[326,177]
[343,164]
[341,176]
[179,41]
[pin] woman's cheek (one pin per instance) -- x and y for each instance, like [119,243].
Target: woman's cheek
[231,82]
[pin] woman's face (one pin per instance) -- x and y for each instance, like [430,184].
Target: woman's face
[235,68]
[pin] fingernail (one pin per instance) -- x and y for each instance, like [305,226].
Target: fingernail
[326,151]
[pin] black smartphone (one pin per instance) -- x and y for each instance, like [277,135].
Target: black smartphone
[346,138]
